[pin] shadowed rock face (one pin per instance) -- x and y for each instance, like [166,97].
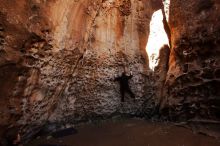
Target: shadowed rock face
[192,80]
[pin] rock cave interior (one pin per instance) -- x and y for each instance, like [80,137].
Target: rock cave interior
[110,72]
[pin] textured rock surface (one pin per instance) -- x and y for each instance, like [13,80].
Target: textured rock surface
[58,59]
[193,81]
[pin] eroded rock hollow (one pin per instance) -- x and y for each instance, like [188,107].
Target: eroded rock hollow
[59,60]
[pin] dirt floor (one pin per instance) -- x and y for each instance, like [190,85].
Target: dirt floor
[133,132]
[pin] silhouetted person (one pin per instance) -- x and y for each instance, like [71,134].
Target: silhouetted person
[124,86]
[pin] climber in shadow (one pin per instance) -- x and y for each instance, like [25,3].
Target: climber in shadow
[124,86]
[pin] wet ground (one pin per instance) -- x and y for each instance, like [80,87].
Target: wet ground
[133,132]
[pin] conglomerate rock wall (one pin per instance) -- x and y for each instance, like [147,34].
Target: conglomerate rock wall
[59,59]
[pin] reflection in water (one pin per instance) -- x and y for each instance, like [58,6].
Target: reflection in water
[157,38]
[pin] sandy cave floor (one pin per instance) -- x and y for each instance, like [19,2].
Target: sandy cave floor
[132,132]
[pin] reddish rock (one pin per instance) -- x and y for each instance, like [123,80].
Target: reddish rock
[59,59]
[191,82]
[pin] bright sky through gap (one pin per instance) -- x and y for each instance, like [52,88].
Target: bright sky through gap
[157,39]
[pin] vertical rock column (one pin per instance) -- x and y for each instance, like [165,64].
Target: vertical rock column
[192,81]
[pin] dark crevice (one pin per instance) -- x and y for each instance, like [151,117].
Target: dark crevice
[166,27]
